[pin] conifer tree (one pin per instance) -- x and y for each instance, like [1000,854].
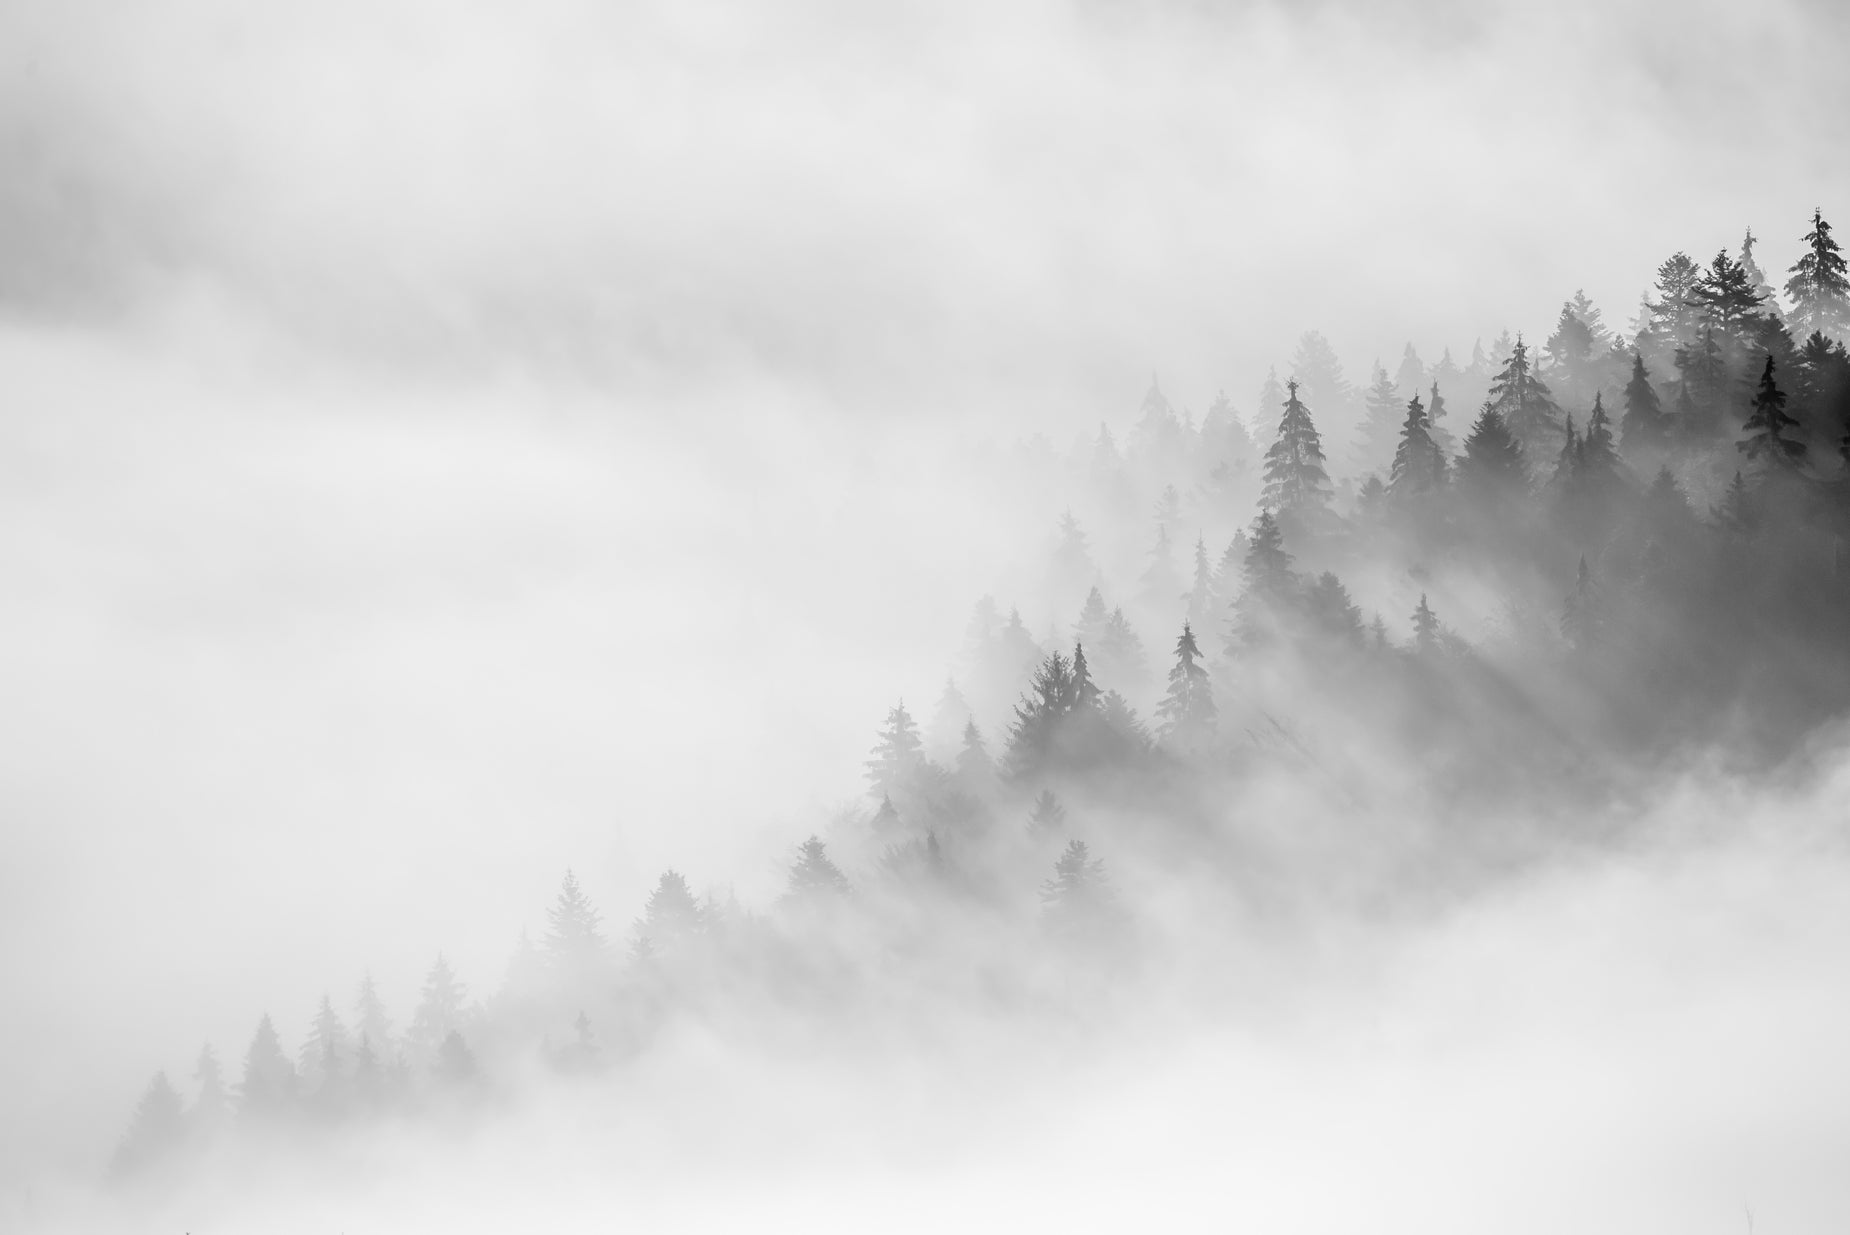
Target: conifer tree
[369,1016]
[1435,423]
[1601,472]
[1819,289]
[1410,378]
[1186,714]
[211,1107]
[1090,628]
[1381,421]
[1295,480]
[1756,277]
[1269,583]
[155,1131]
[1493,470]
[575,945]
[1425,628]
[1643,430]
[1418,468]
[1201,590]
[455,1063]
[671,917]
[1161,583]
[1034,738]
[1736,512]
[976,771]
[1121,651]
[440,1005]
[897,754]
[1077,903]
[269,1083]
[319,1062]
[1582,623]
[1726,295]
[1331,612]
[814,878]
[1085,690]
[950,717]
[1048,815]
[1073,566]
[1767,435]
[1315,368]
[1523,401]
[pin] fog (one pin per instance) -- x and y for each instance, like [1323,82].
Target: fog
[441,446]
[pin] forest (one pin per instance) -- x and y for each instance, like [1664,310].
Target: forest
[1432,623]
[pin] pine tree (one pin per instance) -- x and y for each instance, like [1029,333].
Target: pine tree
[1201,590]
[1582,623]
[1818,288]
[1048,814]
[1767,434]
[950,717]
[1090,628]
[671,917]
[1187,714]
[1034,738]
[1523,401]
[1435,422]
[1084,695]
[319,1062]
[814,879]
[1410,378]
[1077,902]
[1380,423]
[1726,295]
[269,1083]
[1418,468]
[1121,651]
[1644,430]
[897,754]
[1602,473]
[369,1016]
[1425,628]
[1073,567]
[455,1064]
[1736,512]
[1331,612]
[211,1106]
[440,1006]
[1756,277]
[155,1131]
[1295,480]
[1315,368]
[1269,585]
[575,945]
[1493,470]
[1161,583]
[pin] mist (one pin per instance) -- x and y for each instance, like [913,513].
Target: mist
[447,446]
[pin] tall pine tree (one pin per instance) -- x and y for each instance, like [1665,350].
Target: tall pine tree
[1819,289]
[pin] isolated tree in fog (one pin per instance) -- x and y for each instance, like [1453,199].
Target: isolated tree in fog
[1048,815]
[156,1129]
[1819,289]
[1767,437]
[1295,480]
[1425,627]
[813,877]
[1186,716]
[269,1082]
[897,753]
[1078,900]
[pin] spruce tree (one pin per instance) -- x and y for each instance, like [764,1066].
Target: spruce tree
[1435,423]
[575,945]
[441,1007]
[671,917]
[1121,651]
[1726,294]
[814,878]
[1315,368]
[1331,612]
[269,1083]
[1186,714]
[1643,429]
[1756,277]
[369,1016]
[1601,471]
[1582,623]
[1736,512]
[1161,584]
[1493,471]
[320,1060]
[1090,627]
[1767,435]
[1295,480]
[455,1064]
[976,771]
[1523,401]
[1201,590]
[1819,289]
[1269,583]
[897,753]
[1418,468]
[1073,566]
[1048,815]
[155,1131]
[1381,421]
[211,1106]
[1078,903]
[1034,738]
[1425,628]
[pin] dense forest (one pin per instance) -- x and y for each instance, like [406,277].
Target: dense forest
[1536,583]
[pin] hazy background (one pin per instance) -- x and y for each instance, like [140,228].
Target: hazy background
[441,443]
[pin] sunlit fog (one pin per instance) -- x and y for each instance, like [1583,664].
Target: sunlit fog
[1075,615]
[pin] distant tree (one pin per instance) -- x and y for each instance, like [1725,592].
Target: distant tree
[1161,584]
[580,1055]
[1186,716]
[1643,429]
[1767,435]
[455,1064]
[211,1107]
[1523,401]
[268,1087]
[440,1007]
[1078,903]
[897,754]
[1090,628]
[976,771]
[1410,378]
[814,878]
[575,945]
[1582,619]
[1072,558]
[1435,422]
[1315,369]
[1201,590]
[1676,312]
[1381,420]
[1705,382]
[1270,584]
[1048,814]
[1295,480]
[949,718]
[155,1131]
[1572,347]
[1603,476]
[1331,612]
[671,917]
[1121,651]
[1493,470]
[1819,289]
[321,1060]
[1736,514]
[1371,500]
[369,1016]
[1425,628]
[1756,277]
[1419,467]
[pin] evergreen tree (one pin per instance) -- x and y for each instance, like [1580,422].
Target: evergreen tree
[1073,567]
[1271,395]
[1493,471]
[319,1062]
[1077,903]
[950,717]
[1121,651]
[1589,316]
[1582,622]
[1418,468]
[575,945]
[1756,277]
[1602,473]
[1048,814]
[1435,423]
[155,1131]
[1295,481]
[1768,432]
[1726,295]
[1315,368]
[1090,628]
[1425,628]
[814,878]
[1644,430]
[1034,738]
[1736,512]
[369,1017]
[1818,288]
[1201,590]
[1410,378]
[1331,612]
[440,1005]
[1381,420]
[211,1106]
[268,1087]
[897,755]
[1085,690]
[1187,714]
[671,917]
[455,1063]
[1161,583]
[1269,583]
[976,771]
[1674,315]
[1524,402]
